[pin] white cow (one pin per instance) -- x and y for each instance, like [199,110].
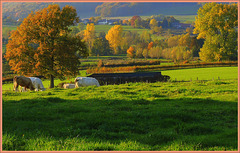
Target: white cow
[37,83]
[86,81]
[68,86]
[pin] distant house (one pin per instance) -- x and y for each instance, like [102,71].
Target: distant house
[181,25]
[102,22]
[111,21]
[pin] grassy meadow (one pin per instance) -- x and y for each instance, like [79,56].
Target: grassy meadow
[169,116]
[212,73]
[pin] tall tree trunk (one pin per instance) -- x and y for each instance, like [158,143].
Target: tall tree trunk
[51,81]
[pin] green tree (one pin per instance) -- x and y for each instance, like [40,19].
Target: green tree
[42,44]
[129,38]
[145,37]
[81,26]
[217,22]
[74,31]
[101,47]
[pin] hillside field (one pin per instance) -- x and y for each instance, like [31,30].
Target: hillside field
[192,115]
[198,115]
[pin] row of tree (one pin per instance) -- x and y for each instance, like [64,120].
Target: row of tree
[138,22]
[117,41]
[176,48]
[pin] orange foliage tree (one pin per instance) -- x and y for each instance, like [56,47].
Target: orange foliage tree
[42,44]
[131,52]
[150,45]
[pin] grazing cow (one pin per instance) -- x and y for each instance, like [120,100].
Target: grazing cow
[68,86]
[22,81]
[37,83]
[86,81]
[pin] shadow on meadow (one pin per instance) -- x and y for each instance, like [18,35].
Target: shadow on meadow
[156,123]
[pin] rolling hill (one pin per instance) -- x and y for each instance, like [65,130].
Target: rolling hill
[18,10]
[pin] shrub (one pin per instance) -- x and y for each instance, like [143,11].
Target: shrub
[100,63]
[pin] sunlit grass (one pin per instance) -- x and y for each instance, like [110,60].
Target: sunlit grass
[212,73]
[198,115]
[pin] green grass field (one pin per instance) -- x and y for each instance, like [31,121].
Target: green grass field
[185,18]
[198,115]
[212,73]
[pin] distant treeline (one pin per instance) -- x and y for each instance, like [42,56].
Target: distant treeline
[17,10]
[130,9]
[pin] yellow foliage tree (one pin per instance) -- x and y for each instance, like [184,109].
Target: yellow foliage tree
[153,23]
[114,36]
[217,22]
[89,36]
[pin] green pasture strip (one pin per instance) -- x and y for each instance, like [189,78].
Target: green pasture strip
[212,73]
[161,116]
[181,18]
[106,57]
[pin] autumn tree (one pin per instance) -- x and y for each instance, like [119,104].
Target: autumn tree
[145,53]
[125,22]
[114,36]
[133,19]
[189,30]
[217,24]
[131,52]
[153,23]
[42,44]
[89,36]
[180,53]
[139,51]
[157,30]
[150,45]
[155,52]
[173,41]
[184,40]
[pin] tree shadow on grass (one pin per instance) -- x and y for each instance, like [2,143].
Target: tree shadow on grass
[154,123]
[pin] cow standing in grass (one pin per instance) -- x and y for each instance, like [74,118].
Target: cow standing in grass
[37,84]
[23,81]
[86,81]
[68,86]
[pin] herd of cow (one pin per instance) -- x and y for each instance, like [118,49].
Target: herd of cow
[34,83]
